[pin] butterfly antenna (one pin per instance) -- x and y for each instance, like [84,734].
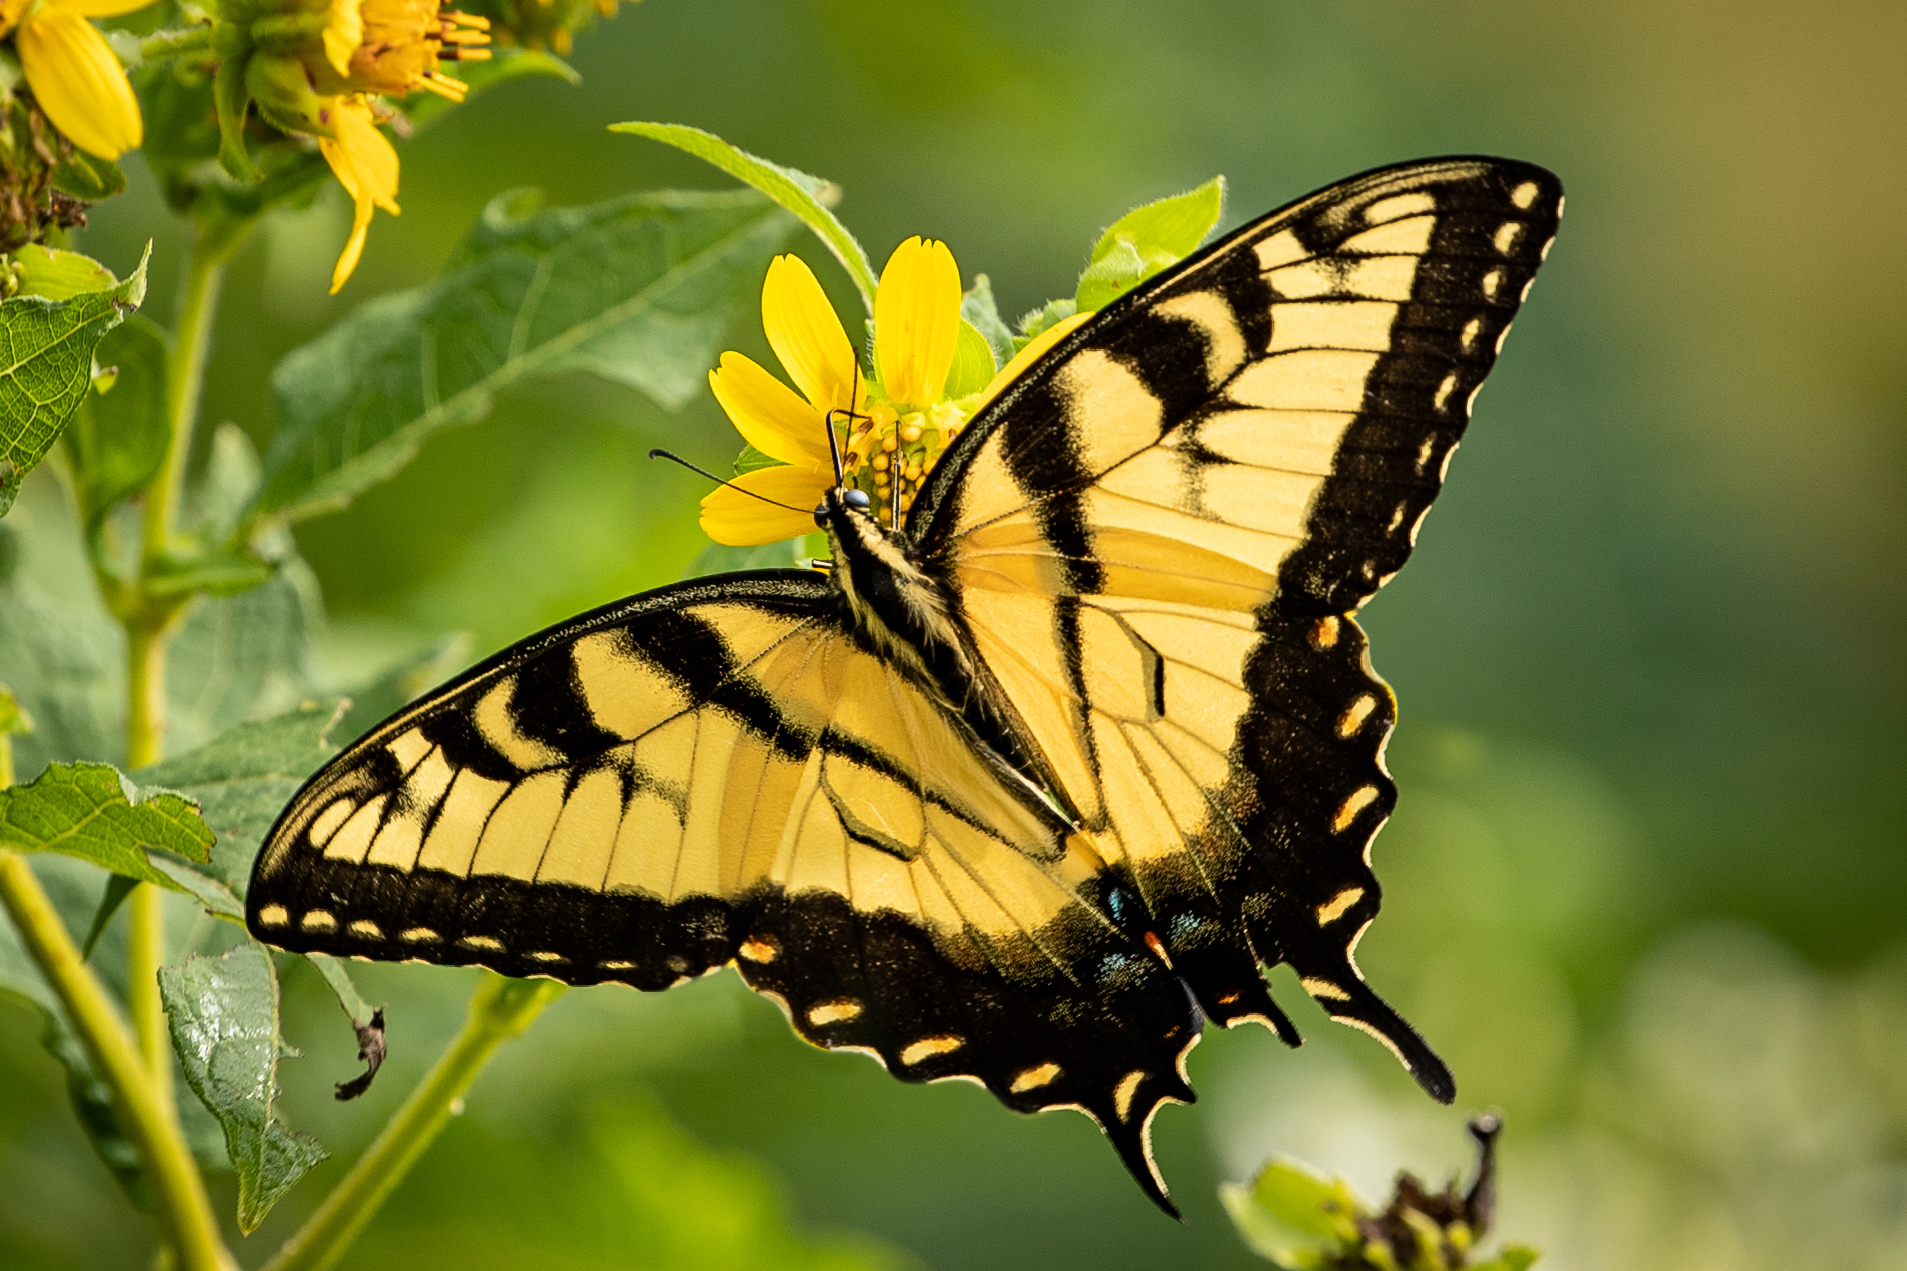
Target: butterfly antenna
[660,453]
[834,446]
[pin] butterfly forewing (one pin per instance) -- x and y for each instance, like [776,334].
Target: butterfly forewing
[1157,535]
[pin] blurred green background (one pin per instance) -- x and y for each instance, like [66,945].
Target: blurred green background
[1644,886]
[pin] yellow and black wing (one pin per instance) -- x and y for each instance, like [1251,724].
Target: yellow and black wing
[1155,539]
[717,772]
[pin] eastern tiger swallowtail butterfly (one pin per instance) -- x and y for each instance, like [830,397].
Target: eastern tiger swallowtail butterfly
[1030,788]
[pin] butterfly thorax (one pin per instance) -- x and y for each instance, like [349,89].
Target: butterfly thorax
[901,612]
[896,607]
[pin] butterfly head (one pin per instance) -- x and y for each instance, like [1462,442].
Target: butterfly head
[849,500]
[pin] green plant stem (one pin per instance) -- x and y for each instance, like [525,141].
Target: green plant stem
[185,376]
[184,1211]
[499,1010]
[174,43]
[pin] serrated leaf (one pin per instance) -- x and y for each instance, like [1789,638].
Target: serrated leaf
[52,274]
[638,290]
[978,308]
[118,439]
[1146,240]
[244,777]
[46,368]
[90,811]
[973,365]
[223,1014]
[424,109]
[808,197]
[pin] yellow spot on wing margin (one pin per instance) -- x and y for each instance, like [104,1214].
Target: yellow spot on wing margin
[1034,1078]
[1333,909]
[927,1047]
[839,1011]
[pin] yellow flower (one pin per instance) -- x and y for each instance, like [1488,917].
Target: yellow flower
[393,47]
[890,431]
[74,74]
[366,166]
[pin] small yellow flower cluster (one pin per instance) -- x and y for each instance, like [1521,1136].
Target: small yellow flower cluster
[316,66]
[890,431]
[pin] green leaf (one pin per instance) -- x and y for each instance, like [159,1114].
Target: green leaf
[504,65]
[977,307]
[88,810]
[224,1017]
[1293,1215]
[13,719]
[51,274]
[349,998]
[402,684]
[244,657]
[973,364]
[1146,240]
[790,553]
[1509,1258]
[72,888]
[808,197]
[638,290]
[118,439]
[46,368]
[118,887]
[60,653]
[753,460]
[1031,324]
[88,178]
[244,777]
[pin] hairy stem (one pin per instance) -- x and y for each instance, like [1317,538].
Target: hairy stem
[184,1211]
[499,1010]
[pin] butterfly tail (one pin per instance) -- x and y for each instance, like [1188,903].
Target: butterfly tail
[1345,996]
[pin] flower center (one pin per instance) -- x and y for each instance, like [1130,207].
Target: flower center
[888,454]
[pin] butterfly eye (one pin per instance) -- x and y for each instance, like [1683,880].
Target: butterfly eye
[821,515]
[858,500]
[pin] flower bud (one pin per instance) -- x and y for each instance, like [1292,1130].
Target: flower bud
[281,87]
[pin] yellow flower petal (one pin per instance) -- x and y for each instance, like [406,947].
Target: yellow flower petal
[1034,350]
[916,322]
[365,164]
[807,337]
[343,32]
[353,247]
[768,413]
[737,520]
[101,8]
[79,82]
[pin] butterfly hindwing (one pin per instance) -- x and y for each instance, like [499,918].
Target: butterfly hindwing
[717,771]
[1157,534]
